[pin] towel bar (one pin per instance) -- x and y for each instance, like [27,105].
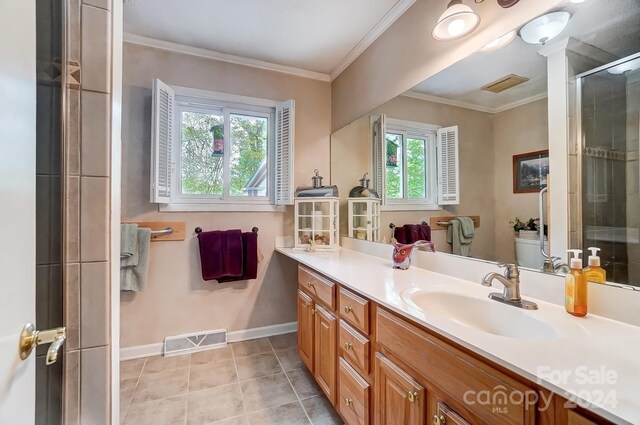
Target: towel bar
[199,229]
[167,231]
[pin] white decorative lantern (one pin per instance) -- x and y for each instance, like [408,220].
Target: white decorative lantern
[364,218]
[316,223]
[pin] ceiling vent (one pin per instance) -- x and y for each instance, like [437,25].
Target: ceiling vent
[505,83]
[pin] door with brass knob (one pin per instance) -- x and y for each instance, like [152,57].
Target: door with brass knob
[30,338]
[306,312]
[399,399]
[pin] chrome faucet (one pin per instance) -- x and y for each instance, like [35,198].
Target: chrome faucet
[551,266]
[511,292]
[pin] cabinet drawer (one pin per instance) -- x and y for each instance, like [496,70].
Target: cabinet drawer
[319,287]
[355,347]
[353,395]
[455,372]
[355,310]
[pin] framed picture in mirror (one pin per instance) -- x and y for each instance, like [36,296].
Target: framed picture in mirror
[530,171]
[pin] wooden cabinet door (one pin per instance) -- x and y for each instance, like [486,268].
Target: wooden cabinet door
[447,416]
[399,399]
[305,329]
[325,360]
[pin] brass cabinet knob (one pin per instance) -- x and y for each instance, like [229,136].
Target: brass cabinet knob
[439,420]
[311,284]
[348,346]
[348,401]
[412,396]
[30,338]
[313,311]
[347,309]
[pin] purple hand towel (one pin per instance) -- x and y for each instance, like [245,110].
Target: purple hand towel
[400,235]
[221,254]
[249,258]
[417,232]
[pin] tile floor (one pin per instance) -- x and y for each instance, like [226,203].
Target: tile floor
[257,382]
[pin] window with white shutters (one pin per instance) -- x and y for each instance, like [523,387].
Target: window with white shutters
[448,170]
[220,152]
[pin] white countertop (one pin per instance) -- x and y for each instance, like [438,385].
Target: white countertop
[599,357]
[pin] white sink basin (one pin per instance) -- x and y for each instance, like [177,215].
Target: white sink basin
[482,314]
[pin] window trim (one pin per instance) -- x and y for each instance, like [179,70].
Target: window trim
[429,132]
[198,100]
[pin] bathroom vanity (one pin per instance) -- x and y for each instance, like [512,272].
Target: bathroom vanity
[404,347]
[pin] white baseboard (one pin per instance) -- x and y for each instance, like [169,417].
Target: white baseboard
[139,351]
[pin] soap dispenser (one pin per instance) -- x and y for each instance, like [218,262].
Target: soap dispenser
[575,301]
[593,272]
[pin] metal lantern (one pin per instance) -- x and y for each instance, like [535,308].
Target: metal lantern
[316,217]
[364,218]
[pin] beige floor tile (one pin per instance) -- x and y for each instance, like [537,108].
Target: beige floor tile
[267,392]
[257,366]
[240,420]
[166,411]
[162,364]
[212,356]
[282,342]
[289,359]
[215,404]
[251,347]
[211,375]
[127,388]
[320,411]
[160,385]
[286,414]
[131,368]
[303,383]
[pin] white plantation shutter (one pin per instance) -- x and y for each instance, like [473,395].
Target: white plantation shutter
[380,157]
[283,165]
[162,163]
[448,170]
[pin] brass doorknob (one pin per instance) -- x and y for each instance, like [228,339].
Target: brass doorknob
[30,338]
[412,396]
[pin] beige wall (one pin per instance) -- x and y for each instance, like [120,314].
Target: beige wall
[177,300]
[518,130]
[406,54]
[351,153]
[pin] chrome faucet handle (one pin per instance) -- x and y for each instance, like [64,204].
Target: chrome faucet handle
[511,270]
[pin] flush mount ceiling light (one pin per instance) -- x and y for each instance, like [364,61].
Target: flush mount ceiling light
[628,66]
[545,27]
[576,1]
[456,22]
[499,42]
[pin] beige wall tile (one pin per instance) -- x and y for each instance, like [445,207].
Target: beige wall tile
[74,28]
[96,47]
[72,388]
[73,132]
[72,228]
[95,401]
[72,307]
[103,4]
[94,302]
[94,219]
[95,134]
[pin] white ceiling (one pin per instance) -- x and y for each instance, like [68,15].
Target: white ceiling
[610,25]
[311,35]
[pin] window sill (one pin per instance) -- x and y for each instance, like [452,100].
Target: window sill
[410,207]
[237,207]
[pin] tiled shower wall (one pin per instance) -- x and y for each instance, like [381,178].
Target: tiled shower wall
[87,214]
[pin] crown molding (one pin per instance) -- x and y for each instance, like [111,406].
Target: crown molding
[224,57]
[470,105]
[382,25]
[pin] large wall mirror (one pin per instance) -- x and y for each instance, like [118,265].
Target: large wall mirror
[473,141]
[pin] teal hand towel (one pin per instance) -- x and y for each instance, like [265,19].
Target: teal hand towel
[460,235]
[134,277]
[128,244]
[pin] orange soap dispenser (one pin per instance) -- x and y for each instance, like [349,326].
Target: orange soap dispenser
[593,272]
[575,301]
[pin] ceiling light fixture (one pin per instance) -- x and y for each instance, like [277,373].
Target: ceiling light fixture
[456,22]
[628,66]
[576,1]
[499,42]
[545,27]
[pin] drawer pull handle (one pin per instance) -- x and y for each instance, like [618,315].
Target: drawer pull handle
[306,305]
[311,284]
[348,401]
[348,309]
[439,420]
[348,346]
[412,396]
[313,311]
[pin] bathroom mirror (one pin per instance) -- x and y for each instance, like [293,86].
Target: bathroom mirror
[496,104]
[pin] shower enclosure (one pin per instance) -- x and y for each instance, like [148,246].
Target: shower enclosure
[609,126]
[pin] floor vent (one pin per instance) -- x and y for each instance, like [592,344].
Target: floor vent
[505,83]
[192,343]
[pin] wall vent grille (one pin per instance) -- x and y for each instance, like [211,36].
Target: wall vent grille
[505,83]
[192,343]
